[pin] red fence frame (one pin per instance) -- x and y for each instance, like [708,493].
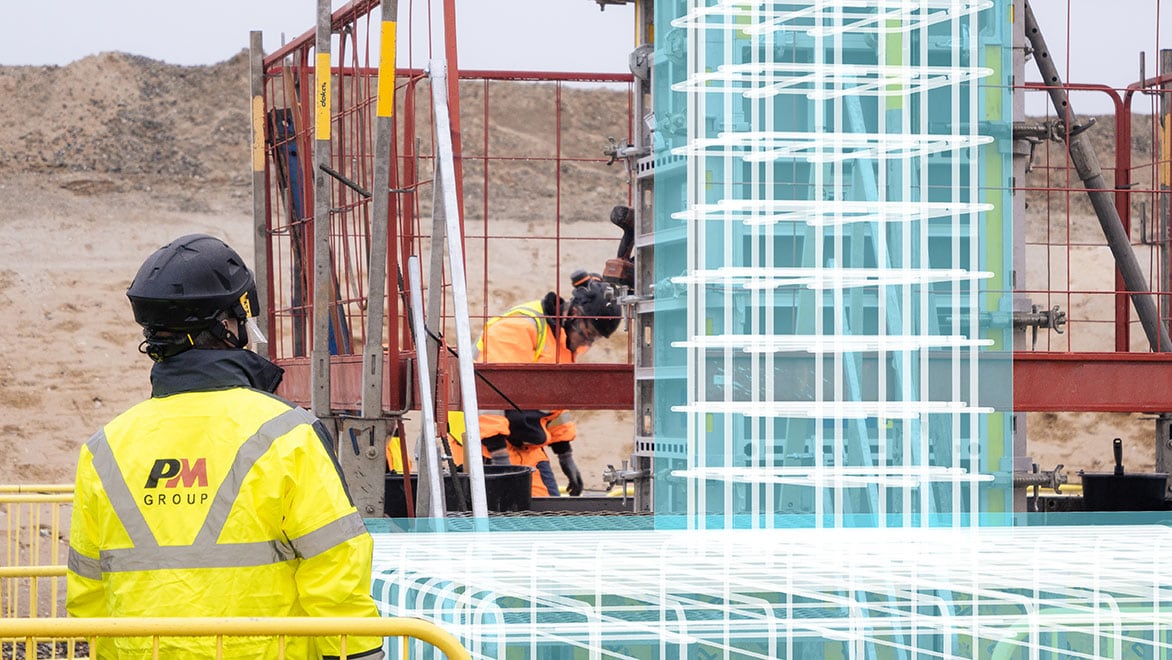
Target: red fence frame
[1119,381]
[290,250]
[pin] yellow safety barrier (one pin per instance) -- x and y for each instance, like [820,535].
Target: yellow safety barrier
[32,595]
[36,488]
[33,548]
[32,591]
[32,571]
[29,633]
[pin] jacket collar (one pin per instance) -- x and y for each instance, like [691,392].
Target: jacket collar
[199,370]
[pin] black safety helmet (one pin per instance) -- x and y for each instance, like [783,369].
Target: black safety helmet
[596,300]
[185,285]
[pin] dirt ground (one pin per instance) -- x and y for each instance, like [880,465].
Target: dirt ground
[107,159]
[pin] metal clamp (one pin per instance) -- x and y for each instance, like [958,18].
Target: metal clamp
[1051,319]
[1052,479]
[1053,131]
[613,477]
[626,152]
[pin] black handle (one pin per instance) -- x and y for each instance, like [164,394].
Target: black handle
[1117,446]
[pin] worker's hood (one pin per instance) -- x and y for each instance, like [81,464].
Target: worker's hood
[199,370]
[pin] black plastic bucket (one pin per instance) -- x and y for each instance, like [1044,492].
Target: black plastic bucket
[1117,491]
[506,488]
[1124,492]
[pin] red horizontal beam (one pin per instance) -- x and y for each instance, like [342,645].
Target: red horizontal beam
[1092,382]
[568,386]
[1042,382]
[576,386]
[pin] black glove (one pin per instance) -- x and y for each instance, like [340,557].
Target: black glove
[565,455]
[525,427]
[497,449]
[501,457]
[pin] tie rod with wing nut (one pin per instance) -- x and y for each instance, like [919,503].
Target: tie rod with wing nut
[1051,319]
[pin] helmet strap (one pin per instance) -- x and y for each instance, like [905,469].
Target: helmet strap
[217,330]
[161,344]
[571,317]
[160,347]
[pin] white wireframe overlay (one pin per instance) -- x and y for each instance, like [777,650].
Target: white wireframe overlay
[824,128]
[1061,592]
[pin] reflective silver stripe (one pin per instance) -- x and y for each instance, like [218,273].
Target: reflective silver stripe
[563,418]
[222,555]
[492,412]
[84,566]
[328,536]
[531,309]
[246,457]
[119,493]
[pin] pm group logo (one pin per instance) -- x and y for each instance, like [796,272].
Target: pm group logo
[178,473]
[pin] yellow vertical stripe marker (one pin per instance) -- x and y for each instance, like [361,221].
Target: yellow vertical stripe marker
[258,134]
[321,99]
[894,58]
[1165,151]
[638,26]
[742,18]
[386,71]
[997,443]
[998,180]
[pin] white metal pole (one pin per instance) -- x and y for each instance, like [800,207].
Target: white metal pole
[428,456]
[446,180]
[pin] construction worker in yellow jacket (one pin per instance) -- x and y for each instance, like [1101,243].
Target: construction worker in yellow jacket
[547,331]
[214,497]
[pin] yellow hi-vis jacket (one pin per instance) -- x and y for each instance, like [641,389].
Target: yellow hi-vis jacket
[221,503]
[523,335]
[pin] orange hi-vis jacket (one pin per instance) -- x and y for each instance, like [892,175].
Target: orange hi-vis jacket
[523,335]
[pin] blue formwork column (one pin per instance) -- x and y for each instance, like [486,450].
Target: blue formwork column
[673,46]
[832,264]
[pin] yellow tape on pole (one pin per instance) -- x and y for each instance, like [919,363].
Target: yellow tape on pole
[386,71]
[1165,151]
[258,134]
[322,97]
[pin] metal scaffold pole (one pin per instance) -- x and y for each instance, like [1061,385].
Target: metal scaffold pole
[384,128]
[260,237]
[322,275]
[430,479]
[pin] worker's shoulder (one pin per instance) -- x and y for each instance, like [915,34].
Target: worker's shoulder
[225,409]
[519,331]
[519,318]
[233,401]
[261,404]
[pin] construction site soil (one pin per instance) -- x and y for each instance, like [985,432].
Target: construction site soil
[106,159]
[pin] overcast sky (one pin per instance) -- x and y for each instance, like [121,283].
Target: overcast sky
[536,35]
[1106,38]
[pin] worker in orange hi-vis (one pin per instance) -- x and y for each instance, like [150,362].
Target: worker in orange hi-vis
[214,498]
[547,331]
